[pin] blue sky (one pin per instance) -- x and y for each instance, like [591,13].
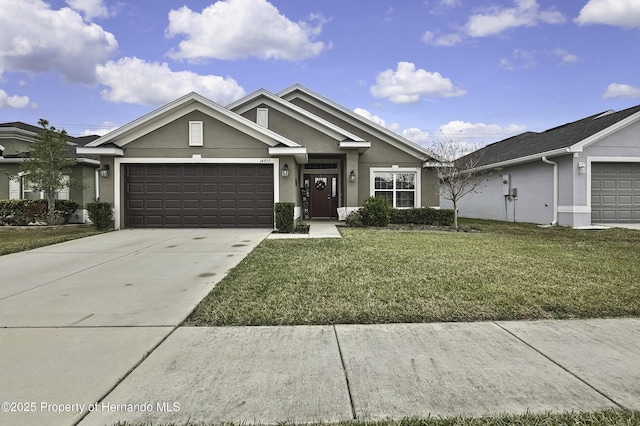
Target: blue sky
[472,70]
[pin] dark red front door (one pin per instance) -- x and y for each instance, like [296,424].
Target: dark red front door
[323,193]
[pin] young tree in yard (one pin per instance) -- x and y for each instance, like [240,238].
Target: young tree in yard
[457,175]
[48,164]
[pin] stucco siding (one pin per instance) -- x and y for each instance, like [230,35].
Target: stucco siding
[534,201]
[314,140]
[172,141]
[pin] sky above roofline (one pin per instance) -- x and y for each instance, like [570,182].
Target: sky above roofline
[472,71]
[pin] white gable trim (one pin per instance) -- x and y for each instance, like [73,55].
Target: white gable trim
[181,107]
[578,147]
[394,139]
[300,114]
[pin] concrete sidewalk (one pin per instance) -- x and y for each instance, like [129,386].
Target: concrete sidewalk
[372,372]
[317,229]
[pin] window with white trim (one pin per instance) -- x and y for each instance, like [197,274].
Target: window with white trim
[398,186]
[20,187]
[196,134]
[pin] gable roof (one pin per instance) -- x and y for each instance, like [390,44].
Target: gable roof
[28,132]
[567,138]
[327,105]
[180,107]
[263,96]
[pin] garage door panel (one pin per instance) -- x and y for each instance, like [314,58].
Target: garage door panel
[172,204]
[209,188]
[168,195]
[191,188]
[228,188]
[615,192]
[133,188]
[155,187]
[154,205]
[190,204]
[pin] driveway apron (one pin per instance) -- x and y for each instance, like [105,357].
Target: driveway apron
[76,317]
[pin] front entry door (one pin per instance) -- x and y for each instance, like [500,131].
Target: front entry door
[323,196]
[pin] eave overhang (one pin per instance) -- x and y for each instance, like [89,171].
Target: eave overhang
[361,146]
[299,153]
[109,151]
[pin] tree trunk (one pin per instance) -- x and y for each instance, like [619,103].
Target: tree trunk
[455,214]
[51,208]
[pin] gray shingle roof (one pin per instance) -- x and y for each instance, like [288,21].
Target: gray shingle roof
[564,136]
[79,140]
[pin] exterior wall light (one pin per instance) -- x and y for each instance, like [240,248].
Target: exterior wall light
[582,167]
[104,170]
[285,170]
[352,176]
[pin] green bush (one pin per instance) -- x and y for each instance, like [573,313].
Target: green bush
[376,212]
[422,216]
[284,217]
[354,219]
[101,214]
[23,212]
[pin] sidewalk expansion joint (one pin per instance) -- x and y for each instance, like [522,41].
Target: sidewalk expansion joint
[346,375]
[604,395]
[131,370]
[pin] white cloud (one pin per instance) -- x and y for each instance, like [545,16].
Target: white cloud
[446,40]
[521,59]
[90,8]
[615,90]
[526,13]
[135,81]
[407,84]
[565,56]
[104,128]
[14,101]
[35,38]
[464,131]
[623,13]
[379,121]
[232,29]
[416,135]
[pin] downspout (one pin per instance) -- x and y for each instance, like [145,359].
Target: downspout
[555,189]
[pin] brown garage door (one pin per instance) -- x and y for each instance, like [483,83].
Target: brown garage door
[198,196]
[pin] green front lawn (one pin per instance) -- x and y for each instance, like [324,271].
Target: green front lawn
[20,238]
[598,418]
[506,272]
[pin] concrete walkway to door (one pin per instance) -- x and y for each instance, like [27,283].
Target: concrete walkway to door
[317,229]
[77,317]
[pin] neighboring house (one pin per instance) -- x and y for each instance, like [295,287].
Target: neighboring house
[581,173]
[15,139]
[194,163]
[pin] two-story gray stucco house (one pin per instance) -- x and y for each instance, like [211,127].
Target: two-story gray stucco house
[194,163]
[581,173]
[15,138]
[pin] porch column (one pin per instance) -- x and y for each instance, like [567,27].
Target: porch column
[351,188]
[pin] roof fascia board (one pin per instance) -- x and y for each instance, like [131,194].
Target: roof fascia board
[17,133]
[579,147]
[360,146]
[299,153]
[354,119]
[264,97]
[521,160]
[99,150]
[180,107]
[90,161]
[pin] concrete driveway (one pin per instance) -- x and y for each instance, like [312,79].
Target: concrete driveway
[76,317]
